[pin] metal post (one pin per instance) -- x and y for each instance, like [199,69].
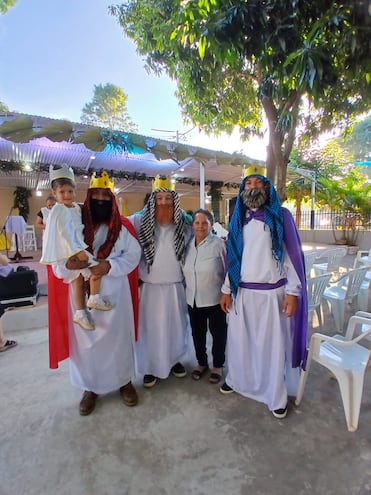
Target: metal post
[202,185]
[313,197]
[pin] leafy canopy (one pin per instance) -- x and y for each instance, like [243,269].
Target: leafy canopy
[108,108]
[5,5]
[296,62]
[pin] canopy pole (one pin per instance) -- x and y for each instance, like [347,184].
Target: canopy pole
[202,185]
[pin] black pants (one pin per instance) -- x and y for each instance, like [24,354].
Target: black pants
[200,317]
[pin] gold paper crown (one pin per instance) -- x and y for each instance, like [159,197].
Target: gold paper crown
[64,172]
[254,170]
[102,182]
[162,183]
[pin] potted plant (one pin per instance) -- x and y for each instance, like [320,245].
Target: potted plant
[21,197]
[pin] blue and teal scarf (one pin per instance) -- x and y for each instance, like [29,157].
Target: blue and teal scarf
[273,217]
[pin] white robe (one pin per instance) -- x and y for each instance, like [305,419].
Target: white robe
[103,360]
[163,316]
[259,341]
[63,236]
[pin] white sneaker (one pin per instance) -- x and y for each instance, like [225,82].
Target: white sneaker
[84,321]
[99,304]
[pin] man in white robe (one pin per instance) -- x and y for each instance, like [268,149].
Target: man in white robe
[163,232]
[266,343]
[101,361]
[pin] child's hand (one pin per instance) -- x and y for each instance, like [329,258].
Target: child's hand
[73,263]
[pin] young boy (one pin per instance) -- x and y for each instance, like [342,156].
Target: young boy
[64,238]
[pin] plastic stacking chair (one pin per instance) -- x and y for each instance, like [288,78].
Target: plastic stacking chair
[359,329]
[347,360]
[366,284]
[343,291]
[315,288]
[309,257]
[29,239]
[334,257]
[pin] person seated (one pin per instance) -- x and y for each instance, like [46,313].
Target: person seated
[5,270]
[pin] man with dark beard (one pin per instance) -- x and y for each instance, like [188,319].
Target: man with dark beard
[101,361]
[163,231]
[265,295]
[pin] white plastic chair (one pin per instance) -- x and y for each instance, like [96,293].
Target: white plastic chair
[343,291]
[315,288]
[309,257]
[360,328]
[29,239]
[366,284]
[347,360]
[334,257]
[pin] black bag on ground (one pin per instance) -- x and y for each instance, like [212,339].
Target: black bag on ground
[19,288]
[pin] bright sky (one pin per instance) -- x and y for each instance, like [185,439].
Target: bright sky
[53,52]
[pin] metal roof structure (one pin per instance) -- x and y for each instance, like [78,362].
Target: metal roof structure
[30,144]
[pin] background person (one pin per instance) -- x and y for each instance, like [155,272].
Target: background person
[5,270]
[204,271]
[267,326]
[43,213]
[100,361]
[163,232]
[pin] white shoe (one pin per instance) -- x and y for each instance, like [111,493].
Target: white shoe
[99,304]
[84,321]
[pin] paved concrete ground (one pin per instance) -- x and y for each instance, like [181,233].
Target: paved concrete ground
[184,437]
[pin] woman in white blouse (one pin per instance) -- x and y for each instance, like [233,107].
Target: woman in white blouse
[204,272]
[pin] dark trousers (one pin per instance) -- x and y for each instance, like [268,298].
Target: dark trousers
[216,318]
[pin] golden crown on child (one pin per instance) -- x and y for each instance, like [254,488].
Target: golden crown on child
[101,182]
[65,172]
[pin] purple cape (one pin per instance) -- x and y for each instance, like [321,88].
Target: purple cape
[299,322]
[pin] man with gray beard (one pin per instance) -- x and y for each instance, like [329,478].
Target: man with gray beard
[264,293]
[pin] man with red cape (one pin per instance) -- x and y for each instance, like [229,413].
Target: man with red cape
[101,361]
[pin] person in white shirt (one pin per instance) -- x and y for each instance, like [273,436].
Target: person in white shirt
[204,271]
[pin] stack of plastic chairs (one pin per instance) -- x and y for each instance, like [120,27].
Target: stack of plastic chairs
[344,291]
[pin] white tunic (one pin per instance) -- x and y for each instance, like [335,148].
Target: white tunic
[259,342]
[163,316]
[103,360]
[63,235]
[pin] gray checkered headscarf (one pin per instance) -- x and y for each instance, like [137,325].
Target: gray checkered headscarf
[146,234]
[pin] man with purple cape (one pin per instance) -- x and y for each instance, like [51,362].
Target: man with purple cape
[264,294]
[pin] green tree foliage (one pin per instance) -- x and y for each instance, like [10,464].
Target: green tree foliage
[297,62]
[108,108]
[3,108]
[325,162]
[358,141]
[5,5]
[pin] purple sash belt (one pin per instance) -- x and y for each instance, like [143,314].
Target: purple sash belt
[257,286]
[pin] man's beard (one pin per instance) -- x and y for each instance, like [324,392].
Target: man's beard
[254,198]
[164,214]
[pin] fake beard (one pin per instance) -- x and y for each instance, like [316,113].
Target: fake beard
[101,210]
[254,198]
[164,214]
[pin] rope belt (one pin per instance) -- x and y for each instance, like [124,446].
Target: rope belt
[257,286]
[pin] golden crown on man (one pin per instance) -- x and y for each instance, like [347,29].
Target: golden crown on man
[254,169]
[160,182]
[101,182]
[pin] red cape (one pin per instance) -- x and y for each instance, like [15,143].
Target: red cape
[58,327]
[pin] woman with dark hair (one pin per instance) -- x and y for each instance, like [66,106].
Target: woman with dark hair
[204,271]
